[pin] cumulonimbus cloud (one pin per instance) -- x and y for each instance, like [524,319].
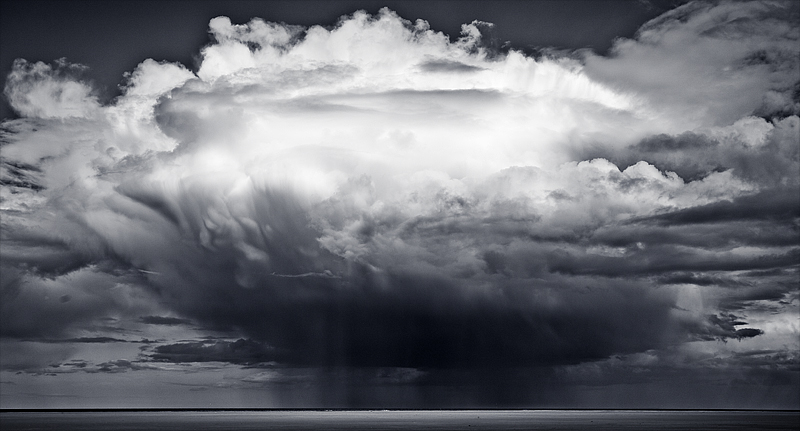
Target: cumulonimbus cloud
[375,194]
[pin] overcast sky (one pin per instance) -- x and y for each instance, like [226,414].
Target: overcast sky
[430,204]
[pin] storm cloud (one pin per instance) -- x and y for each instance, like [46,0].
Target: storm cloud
[377,194]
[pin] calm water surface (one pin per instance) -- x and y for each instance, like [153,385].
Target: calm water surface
[402,420]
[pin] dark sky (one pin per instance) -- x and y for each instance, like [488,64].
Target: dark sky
[111,37]
[257,204]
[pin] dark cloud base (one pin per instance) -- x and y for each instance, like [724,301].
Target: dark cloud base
[416,322]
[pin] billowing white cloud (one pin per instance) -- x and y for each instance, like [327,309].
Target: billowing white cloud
[40,91]
[154,78]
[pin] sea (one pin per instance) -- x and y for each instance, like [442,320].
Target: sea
[200,420]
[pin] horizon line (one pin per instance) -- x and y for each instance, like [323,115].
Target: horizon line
[376,409]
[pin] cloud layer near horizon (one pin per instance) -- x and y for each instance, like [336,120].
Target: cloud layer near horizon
[378,195]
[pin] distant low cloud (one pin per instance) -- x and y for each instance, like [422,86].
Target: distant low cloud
[162,320]
[237,352]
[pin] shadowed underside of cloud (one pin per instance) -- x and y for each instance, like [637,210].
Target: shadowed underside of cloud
[775,204]
[375,195]
[742,148]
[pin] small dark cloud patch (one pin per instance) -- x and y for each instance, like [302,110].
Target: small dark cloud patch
[495,262]
[76,364]
[722,326]
[241,351]
[448,66]
[560,195]
[164,320]
[119,366]
[666,143]
[748,333]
